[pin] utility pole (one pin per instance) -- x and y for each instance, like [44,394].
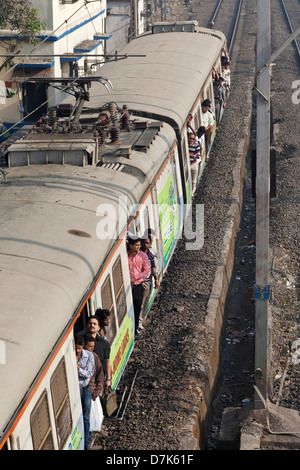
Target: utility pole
[262,288]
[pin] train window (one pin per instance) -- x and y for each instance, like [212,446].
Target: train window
[40,425]
[61,403]
[108,303]
[119,290]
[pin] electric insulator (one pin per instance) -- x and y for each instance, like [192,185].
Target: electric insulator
[114,132]
[125,120]
[113,112]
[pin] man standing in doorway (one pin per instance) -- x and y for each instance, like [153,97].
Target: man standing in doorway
[85,367]
[101,348]
[207,121]
[139,270]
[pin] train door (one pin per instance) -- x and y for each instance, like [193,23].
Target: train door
[140,222]
[197,121]
[186,169]
[86,312]
[209,94]
[53,417]
[114,293]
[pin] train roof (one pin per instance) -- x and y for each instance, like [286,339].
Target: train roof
[162,74]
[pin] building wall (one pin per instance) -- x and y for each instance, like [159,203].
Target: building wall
[120,23]
[84,22]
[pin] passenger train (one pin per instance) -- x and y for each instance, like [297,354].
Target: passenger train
[111,161]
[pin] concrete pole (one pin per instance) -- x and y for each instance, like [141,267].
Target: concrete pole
[262,200]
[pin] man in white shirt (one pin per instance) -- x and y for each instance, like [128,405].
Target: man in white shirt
[85,367]
[207,121]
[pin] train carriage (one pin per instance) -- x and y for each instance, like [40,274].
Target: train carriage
[69,200]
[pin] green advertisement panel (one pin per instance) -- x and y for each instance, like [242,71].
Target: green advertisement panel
[169,214]
[121,349]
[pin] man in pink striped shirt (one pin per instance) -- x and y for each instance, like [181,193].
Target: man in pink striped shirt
[139,270]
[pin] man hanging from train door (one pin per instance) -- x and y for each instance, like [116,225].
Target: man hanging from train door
[208,122]
[139,270]
[85,367]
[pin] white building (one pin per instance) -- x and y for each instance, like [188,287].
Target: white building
[74,37]
[125,20]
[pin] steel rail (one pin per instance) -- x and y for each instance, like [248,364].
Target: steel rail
[236,23]
[214,14]
[211,22]
[291,27]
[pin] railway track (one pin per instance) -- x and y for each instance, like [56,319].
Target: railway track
[219,19]
[291,10]
[286,17]
[284,313]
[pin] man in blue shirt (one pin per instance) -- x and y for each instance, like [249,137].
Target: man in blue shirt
[85,367]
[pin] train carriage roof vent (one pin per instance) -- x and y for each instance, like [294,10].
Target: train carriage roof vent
[112,166]
[178,26]
[41,149]
[147,136]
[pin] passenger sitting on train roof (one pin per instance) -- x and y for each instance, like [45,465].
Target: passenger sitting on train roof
[102,347]
[97,384]
[85,367]
[139,270]
[207,121]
